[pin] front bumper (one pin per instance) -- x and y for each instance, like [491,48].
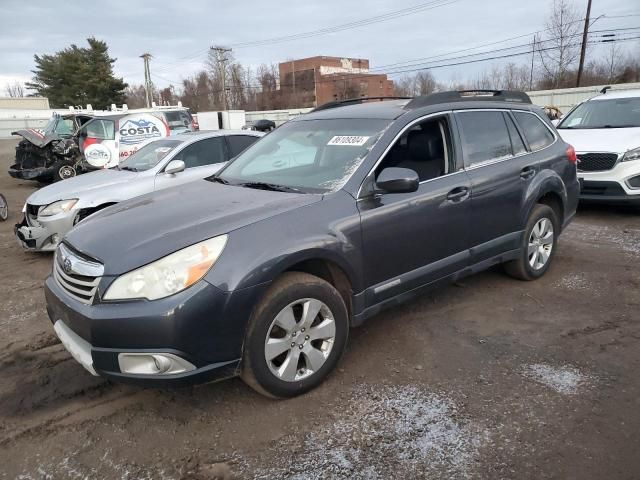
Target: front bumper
[46,236]
[43,174]
[607,192]
[611,186]
[203,325]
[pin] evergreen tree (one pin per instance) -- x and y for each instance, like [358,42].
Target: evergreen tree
[78,76]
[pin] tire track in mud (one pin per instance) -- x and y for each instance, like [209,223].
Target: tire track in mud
[43,390]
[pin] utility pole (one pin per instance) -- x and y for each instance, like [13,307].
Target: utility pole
[583,50]
[221,59]
[533,54]
[148,87]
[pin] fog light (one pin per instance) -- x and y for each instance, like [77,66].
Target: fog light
[153,364]
[55,239]
[634,182]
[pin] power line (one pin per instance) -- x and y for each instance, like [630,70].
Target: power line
[326,30]
[348,26]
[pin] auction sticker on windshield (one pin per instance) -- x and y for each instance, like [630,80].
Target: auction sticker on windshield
[353,140]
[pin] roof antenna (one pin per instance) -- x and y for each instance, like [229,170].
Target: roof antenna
[604,89]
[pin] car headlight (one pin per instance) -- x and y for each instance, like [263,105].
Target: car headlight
[170,274]
[57,207]
[631,155]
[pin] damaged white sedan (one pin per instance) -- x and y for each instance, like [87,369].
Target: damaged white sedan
[52,211]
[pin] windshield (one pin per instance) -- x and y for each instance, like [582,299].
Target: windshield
[149,155]
[613,113]
[310,155]
[51,125]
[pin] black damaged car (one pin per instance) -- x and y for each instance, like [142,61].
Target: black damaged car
[261,270]
[50,154]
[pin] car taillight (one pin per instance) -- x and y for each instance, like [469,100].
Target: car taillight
[571,155]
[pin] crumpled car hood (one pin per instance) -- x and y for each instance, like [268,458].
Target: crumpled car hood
[138,231]
[36,137]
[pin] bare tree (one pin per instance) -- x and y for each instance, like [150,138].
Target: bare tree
[15,90]
[135,96]
[612,61]
[560,47]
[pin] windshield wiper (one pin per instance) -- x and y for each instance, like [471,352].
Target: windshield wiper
[270,186]
[216,178]
[130,169]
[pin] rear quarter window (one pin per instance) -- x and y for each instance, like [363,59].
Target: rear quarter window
[534,129]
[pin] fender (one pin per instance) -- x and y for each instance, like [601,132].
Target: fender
[256,273]
[547,181]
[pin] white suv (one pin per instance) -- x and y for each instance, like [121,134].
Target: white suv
[605,132]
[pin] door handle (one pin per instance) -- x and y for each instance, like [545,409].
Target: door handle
[458,194]
[527,172]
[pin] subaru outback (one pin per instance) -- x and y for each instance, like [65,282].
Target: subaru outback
[261,269]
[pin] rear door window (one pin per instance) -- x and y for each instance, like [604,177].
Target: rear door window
[238,143]
[203,152]
[535,131]
[484,136]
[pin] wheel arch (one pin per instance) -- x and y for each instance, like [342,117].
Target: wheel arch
[547,189]
[90,210]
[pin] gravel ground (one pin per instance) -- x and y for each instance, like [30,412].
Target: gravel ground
[489,378]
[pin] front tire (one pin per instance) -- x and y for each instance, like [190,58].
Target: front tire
[296,336]
[62,171]
[538,245]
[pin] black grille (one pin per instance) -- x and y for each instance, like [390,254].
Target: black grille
[596,162]
[607,189]
[32,215]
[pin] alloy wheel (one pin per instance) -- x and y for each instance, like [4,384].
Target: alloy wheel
[540,243]
[300,339]
[66,171]
[4,208]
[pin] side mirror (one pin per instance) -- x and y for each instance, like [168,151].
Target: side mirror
[174,166]
[397,180]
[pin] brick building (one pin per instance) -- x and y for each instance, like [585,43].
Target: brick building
[310,82]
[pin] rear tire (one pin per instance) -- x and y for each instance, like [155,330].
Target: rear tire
[296,336]
[538,245]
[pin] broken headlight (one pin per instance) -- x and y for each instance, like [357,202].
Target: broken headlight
[57,207]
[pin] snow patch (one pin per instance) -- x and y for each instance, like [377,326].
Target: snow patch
[565,379]
[628,240]
[384,432]
[574,282]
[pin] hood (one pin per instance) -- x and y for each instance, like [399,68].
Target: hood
[85,187]
[617,140]
[136,232]
[37,137]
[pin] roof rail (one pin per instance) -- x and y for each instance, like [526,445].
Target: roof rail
[466,95]
[352,101]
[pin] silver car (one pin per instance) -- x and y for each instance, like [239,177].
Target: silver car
[53,210]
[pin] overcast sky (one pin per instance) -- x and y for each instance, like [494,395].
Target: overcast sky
[178,34]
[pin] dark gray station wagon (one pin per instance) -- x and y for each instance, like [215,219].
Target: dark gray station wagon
[261,270]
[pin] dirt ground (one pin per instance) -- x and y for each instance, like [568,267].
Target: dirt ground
[490,378]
